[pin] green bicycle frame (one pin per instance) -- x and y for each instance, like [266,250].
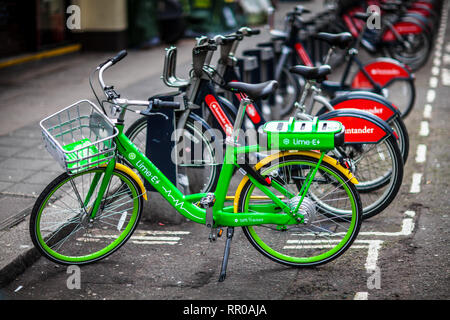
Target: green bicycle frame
[187,206]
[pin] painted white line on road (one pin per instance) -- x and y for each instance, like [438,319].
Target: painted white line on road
[437,62]
[361,296]
[372,256]
[138,238]
[446,59]
[435,71]
[407,229]
[421,154]
[142,237]
[424,129]
[410,213]
[161,232]
[373,246]
[427,111]
[415,185]
[433,82]
[154,242]
[445,76]
[431,95]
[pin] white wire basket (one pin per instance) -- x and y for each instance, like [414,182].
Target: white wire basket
[79,137]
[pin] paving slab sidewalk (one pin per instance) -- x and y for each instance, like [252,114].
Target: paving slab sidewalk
[25,170]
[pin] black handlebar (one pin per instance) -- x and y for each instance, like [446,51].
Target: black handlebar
[249,32]
[204,48]
[160,104]
[254,32]
[300,9]
[231,38]
[122,54]
[361,15]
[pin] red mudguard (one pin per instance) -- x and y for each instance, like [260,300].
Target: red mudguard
[360,126]
[382,71]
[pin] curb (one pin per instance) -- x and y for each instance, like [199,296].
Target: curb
[41,55]
[19,265]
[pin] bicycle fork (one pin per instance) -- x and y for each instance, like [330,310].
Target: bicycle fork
[101,192]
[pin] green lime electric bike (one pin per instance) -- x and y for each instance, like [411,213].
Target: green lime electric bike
[297,206]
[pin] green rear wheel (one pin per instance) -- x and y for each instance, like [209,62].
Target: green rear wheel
[331,209]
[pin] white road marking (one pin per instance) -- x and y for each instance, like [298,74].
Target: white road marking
[410,213]
[424,129]
[438,48]
[415,185]
[437,62]
[143,237]
[154,242]
[434,82]
[427,111]
[373,246]
[407,229]
[446,59]
[435,71]
[445,76]
[372,256]
[421,154]
[431,95]
[361,296]
[161,232]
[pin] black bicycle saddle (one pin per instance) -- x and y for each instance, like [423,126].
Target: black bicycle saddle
[312,73]
[341,40]
[254,91]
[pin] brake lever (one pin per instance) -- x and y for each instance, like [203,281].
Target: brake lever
[147,112]
[111,94]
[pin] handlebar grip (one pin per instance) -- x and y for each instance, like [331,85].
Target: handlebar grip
[232,38]
[301,9]
[361,15]
[204,48]
[246,31]
[165,104]
[122,54]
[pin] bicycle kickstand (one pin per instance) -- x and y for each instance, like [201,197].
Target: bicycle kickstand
[223,271]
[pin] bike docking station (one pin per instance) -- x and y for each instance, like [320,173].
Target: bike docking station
[160,145]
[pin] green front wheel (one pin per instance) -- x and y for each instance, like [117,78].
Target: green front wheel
[62,227]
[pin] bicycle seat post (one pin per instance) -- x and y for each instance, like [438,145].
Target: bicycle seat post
[300,107]
[239,120]
[329,54]
[305,93]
